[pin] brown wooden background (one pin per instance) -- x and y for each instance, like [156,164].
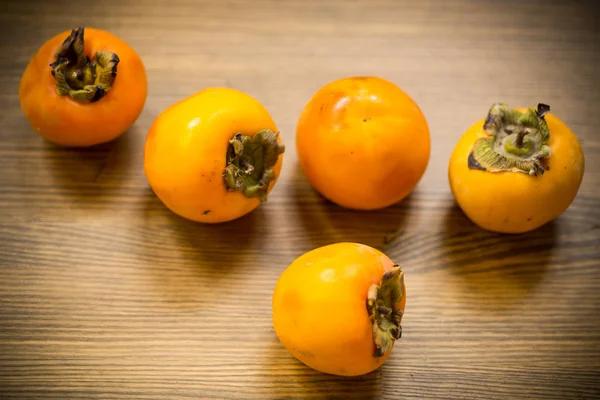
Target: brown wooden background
[104,294]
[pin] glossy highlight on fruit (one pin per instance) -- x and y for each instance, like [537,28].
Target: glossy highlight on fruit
[516,170]
[83,88]
[338,308]
[213,156]
[363,143]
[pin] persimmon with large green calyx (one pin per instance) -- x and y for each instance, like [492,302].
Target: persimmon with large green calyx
[83,88]
[213,156]
[339,308]
[516,170]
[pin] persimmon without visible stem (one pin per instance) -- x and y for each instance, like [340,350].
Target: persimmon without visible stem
[363,143]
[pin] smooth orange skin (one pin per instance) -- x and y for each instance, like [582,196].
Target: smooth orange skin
[67,122]
[514,202]
[319,308]
[186,148]
[363,143]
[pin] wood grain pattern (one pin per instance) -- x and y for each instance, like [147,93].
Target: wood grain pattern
[104,294]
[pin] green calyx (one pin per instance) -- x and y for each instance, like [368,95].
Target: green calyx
[250,162]
[382,302]
[77,76]
[517,141]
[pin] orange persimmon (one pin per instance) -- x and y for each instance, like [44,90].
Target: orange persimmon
[516,170]
[214,156]
[338,308]
[363,143]
[80,91]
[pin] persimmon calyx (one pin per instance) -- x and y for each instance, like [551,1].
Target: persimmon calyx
[382,301]
[517,141]
[77,76]
[250,162]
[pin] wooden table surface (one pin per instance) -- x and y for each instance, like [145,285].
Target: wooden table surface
[105,294]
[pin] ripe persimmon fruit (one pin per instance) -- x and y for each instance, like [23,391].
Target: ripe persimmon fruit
[363,143]
[214,156]
[338,308]
[516,170]
[83,88]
